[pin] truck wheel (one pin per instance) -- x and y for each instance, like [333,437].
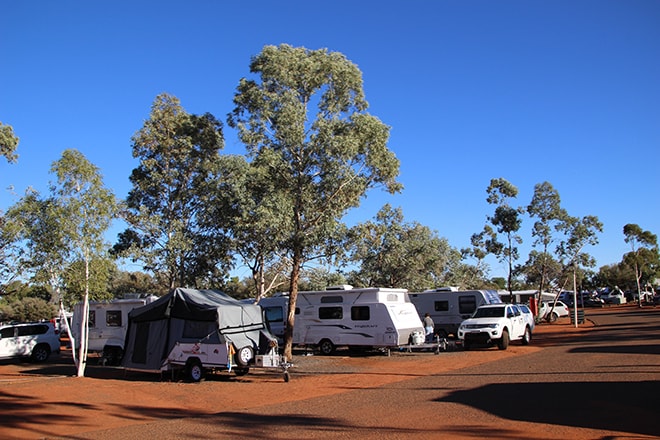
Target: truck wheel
[326,347]
[503,343]
[40,353]
[244,356]
[195,370]
[527,337]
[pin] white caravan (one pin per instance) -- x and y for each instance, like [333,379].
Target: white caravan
[372,317]
[108,321]
[449,307]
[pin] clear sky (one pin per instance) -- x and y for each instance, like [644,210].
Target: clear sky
[561,91]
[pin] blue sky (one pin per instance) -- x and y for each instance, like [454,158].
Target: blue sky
[561,91]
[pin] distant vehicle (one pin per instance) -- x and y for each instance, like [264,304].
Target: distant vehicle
[36,340]
[449,307]
[613,297]
[550,314]
[108,321]
[495,324]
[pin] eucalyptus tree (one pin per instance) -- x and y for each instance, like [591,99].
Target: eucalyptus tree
[8,142]
[178,154]
[304,118]
[393,253]
[643,255]
[579,233]
[506,221]
[545,206]
[85,211]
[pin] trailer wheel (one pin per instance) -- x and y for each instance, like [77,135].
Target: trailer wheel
[241,371]
[503,343]
[195,370]
[244,356]
[326,347]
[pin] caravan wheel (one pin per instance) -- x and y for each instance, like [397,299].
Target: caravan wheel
[195,370]
[326,347]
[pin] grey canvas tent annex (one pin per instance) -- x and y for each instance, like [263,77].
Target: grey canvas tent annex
[187,326]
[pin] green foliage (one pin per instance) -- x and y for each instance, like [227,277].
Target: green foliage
[643,258]
[8,143]
[97,281]
[392,253]
[28,309]
[178,155]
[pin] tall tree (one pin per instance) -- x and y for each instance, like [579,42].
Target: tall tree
[506,221]
[643,256]
[579,233]
[178,155]
[393,253]
[86,209]
[322,161]
[8,142]
[545,206]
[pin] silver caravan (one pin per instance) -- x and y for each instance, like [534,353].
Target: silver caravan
[372,317]
[108,321]
[449,307]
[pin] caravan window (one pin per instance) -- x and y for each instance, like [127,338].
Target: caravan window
[113,318]
[392,297]
[331,313]
[360,313]
[467,304]
[441,306]
[331,299]
[92,318]
[274,314]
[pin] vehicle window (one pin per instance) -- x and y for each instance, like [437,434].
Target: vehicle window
[7,332]
[331,313]
[274,314]
[490,312]
[92,318]
[27,330]
[467,304]
[441,306]
[525,309]
[360,313]
[392,297]
[113,318]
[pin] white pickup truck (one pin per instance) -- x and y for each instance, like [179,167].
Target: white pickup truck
[496,323]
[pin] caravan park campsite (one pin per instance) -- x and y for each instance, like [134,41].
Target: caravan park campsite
[558,387]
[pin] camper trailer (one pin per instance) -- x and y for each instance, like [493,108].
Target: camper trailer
[373,317]
[196,331]
[108,321]
[449,307]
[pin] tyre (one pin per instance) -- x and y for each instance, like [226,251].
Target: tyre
[244,356]
[40,353]
[195,370]
[326,347]
[241,371]
[553,317]
[527,337]
[503,343]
